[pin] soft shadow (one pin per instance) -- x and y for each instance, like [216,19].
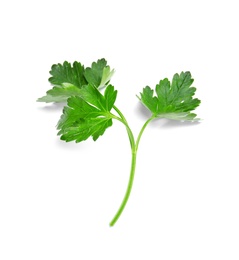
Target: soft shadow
[52,107]
[169,123]
[142,111]
[70,145]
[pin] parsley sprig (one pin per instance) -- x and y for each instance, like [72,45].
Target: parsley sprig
[89,113]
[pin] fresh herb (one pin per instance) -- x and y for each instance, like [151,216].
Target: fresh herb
[69,79]
[89,113]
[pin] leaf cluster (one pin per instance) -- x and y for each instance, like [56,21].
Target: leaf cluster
[87,115]
[88,112]
[68,80]
[172,100]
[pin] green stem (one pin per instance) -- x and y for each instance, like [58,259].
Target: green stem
[120,114]
[142,130]
[134,148]
[128,190]
[129,131]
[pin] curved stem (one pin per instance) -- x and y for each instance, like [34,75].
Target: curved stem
[120,113]
[128,190]
[124,121]
[134,148]
[142,130]
[129,131]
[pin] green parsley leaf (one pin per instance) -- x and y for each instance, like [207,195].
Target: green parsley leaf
[172,101]
[60,93]
[68,74]
[69,79]
[99,74]
[87,115]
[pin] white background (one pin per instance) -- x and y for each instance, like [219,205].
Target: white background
[56,198]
